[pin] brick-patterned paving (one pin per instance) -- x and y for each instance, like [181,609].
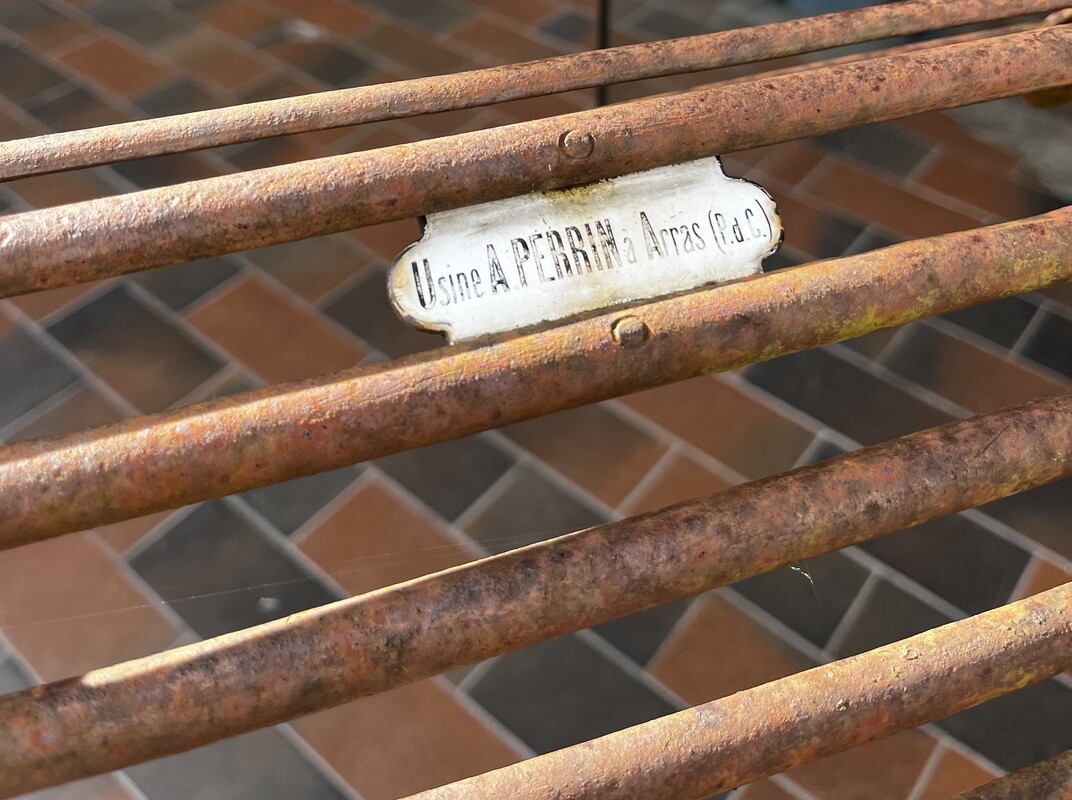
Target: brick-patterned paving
[77,357]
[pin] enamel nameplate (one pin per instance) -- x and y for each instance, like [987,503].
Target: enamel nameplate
[513,263]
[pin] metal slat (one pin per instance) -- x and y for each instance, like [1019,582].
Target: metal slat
[193,695]
[116,235]
[771,728]
[203,129]
[240,442]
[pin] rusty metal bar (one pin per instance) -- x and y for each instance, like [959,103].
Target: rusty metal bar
[1057,18]
[174,701]
[1047,780]
[97,238]
[215,127]
[796,720]
[232,444]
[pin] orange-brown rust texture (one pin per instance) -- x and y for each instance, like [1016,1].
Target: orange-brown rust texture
[1048,780]
[203,129]
[229,445]
[236,683]
[86,241]
[771,728]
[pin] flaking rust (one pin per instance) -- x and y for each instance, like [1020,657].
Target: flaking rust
[544,257]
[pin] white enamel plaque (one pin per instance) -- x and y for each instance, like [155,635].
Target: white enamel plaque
[517,262]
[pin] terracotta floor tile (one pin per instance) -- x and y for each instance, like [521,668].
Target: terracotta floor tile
[505,44]
[68,609]
[39,305]
[983,189]
[865,195]
[954,773]
[215,60]
[376,539]
[765,790]
[725,422]
[412,50]
[40,24]
[813,232]
[121,536]
[887,769]
[240,18]
[1045,574]
[973,377]
[273,336]
[791,162]
[44,191]
[340,17]
[86,408]
[333,260]
[592,446]
[116,66]
[941,127]
[404,741]
[699,666]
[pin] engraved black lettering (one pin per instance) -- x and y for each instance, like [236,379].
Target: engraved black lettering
[576,245]
[651,241]
[444,291]
[463,286]
[558,253]
[686,243]
[630,249]
[520,258]
[495,273]
[757,232]
[700,243]
[610,247]
[738,234]
[538,258]
[474,276]
[718,225]
[592,246]
[431,299]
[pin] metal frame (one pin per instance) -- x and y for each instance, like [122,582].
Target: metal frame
[193,695]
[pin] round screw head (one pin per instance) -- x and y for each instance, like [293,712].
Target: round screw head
[630,332]
[575,144]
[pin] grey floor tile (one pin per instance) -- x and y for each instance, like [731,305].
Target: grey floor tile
[957,559]
[448,477]
[562,692]
[220,573]
[845,397]
[290,504]
[29,374]
[1022,728]
[888,615]
[530,509]
[146,358]
[258,766]
[811,599]
[364,310]
[179,285]
[640,635]
[13,677]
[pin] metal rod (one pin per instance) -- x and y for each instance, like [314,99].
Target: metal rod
[98,238]
[228,445]
[796,720]
[1047,780]
[243,123]
[177,700]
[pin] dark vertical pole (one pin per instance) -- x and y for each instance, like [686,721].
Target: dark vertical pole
[603,44]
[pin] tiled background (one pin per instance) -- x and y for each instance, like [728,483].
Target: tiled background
[77,357]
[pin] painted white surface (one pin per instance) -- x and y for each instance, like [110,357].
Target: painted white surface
[517,262]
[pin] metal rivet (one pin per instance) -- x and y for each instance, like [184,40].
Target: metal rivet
[575,144]
[630,332]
